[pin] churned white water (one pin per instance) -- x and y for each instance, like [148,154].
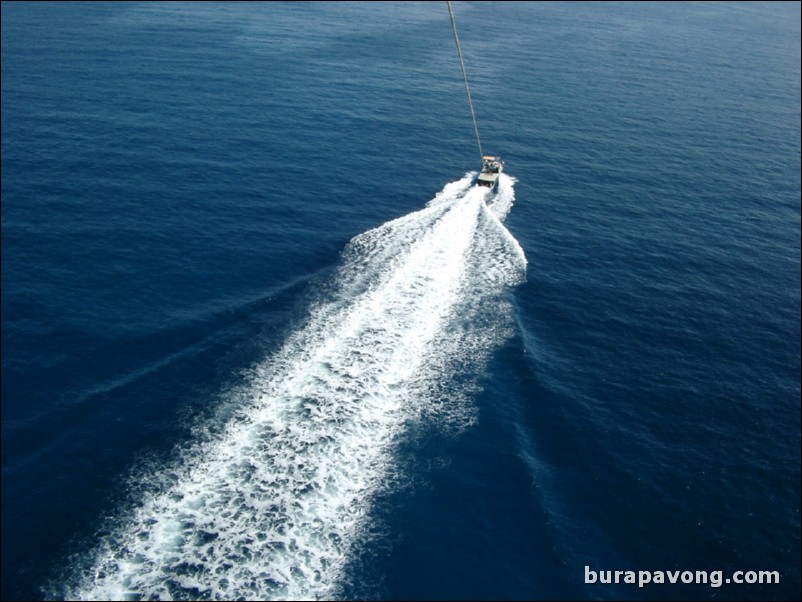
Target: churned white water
[273,505]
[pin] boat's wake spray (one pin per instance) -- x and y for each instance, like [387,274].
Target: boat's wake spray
[274,503]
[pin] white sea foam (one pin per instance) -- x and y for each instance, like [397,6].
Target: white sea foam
[273,504]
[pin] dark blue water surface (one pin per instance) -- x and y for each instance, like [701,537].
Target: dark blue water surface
[178,184]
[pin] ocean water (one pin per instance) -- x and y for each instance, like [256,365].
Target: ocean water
[261,338]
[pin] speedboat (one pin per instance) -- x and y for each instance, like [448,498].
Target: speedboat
[491,170]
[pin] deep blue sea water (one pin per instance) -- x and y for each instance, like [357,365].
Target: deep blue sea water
[261,340]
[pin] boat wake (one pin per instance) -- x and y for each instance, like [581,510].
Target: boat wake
[274,503]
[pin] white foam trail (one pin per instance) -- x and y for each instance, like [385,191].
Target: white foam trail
[272,505]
